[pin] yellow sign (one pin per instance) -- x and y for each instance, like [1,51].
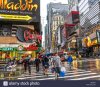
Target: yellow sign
[15,17]
[87,41]
[18,5]
[94,42]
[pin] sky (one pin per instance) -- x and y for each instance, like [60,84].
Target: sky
[43,8]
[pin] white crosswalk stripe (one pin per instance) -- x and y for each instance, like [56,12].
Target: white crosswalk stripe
[70,75]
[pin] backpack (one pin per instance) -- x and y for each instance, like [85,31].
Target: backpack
[70,59]
[37,61]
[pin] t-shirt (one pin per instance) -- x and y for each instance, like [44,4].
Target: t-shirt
[37,61]
[70,59]
[66,57]
[57,61]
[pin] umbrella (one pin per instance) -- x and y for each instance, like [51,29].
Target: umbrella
[49,54]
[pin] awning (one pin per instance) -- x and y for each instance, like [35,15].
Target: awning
[72,33]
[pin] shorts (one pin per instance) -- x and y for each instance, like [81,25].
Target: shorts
[46,66]
[57,70]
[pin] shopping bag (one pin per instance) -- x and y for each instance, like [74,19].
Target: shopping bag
[62,74]
[63,69]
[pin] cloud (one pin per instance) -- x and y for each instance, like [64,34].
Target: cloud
[44,5]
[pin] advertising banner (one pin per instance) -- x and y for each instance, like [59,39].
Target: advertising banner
[98,36]
[20,10]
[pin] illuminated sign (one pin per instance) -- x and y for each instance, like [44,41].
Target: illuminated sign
[20,10]
[28,35]
[8,49]
[31,47]
[24,34]
[94,42]
[15,17]
[12,5]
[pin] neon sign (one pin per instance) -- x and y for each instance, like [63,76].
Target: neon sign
[32,47]
[27,5]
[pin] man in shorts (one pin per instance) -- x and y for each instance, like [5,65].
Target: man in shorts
[57,65]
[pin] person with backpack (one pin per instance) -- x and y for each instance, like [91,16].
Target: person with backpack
[65,55]
[46,65]
[69,60]
[37,63]
[27,63]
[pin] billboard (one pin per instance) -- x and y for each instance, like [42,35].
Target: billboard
[27,35]
[73,17]
[20,10]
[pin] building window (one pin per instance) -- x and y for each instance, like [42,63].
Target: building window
[91,2]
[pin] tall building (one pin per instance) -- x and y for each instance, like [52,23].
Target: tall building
[71,27]
[56,14]
[73,5]
[90,24]
[46,37]
[89,12]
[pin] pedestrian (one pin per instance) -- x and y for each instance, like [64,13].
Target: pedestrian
[7,57]
[45,65]
[27,63]
[69,60]
[65,59]
[37,64]
[56,65]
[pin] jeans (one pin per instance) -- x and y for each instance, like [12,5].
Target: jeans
[27,66]
[37,68]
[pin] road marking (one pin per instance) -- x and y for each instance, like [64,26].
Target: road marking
[67,75]
[86,77]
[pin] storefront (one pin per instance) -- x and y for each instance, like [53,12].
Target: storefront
[96,43]
[18,52]
[19,28]
[92,43]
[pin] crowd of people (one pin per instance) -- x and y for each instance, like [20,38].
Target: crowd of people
[54,63]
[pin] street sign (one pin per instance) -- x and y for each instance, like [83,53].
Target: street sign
[15,17]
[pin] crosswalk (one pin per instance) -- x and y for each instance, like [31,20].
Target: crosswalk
[75,74]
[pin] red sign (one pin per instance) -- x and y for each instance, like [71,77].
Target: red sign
[32,47]
[28,35]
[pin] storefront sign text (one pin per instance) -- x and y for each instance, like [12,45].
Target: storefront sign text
[11,5]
